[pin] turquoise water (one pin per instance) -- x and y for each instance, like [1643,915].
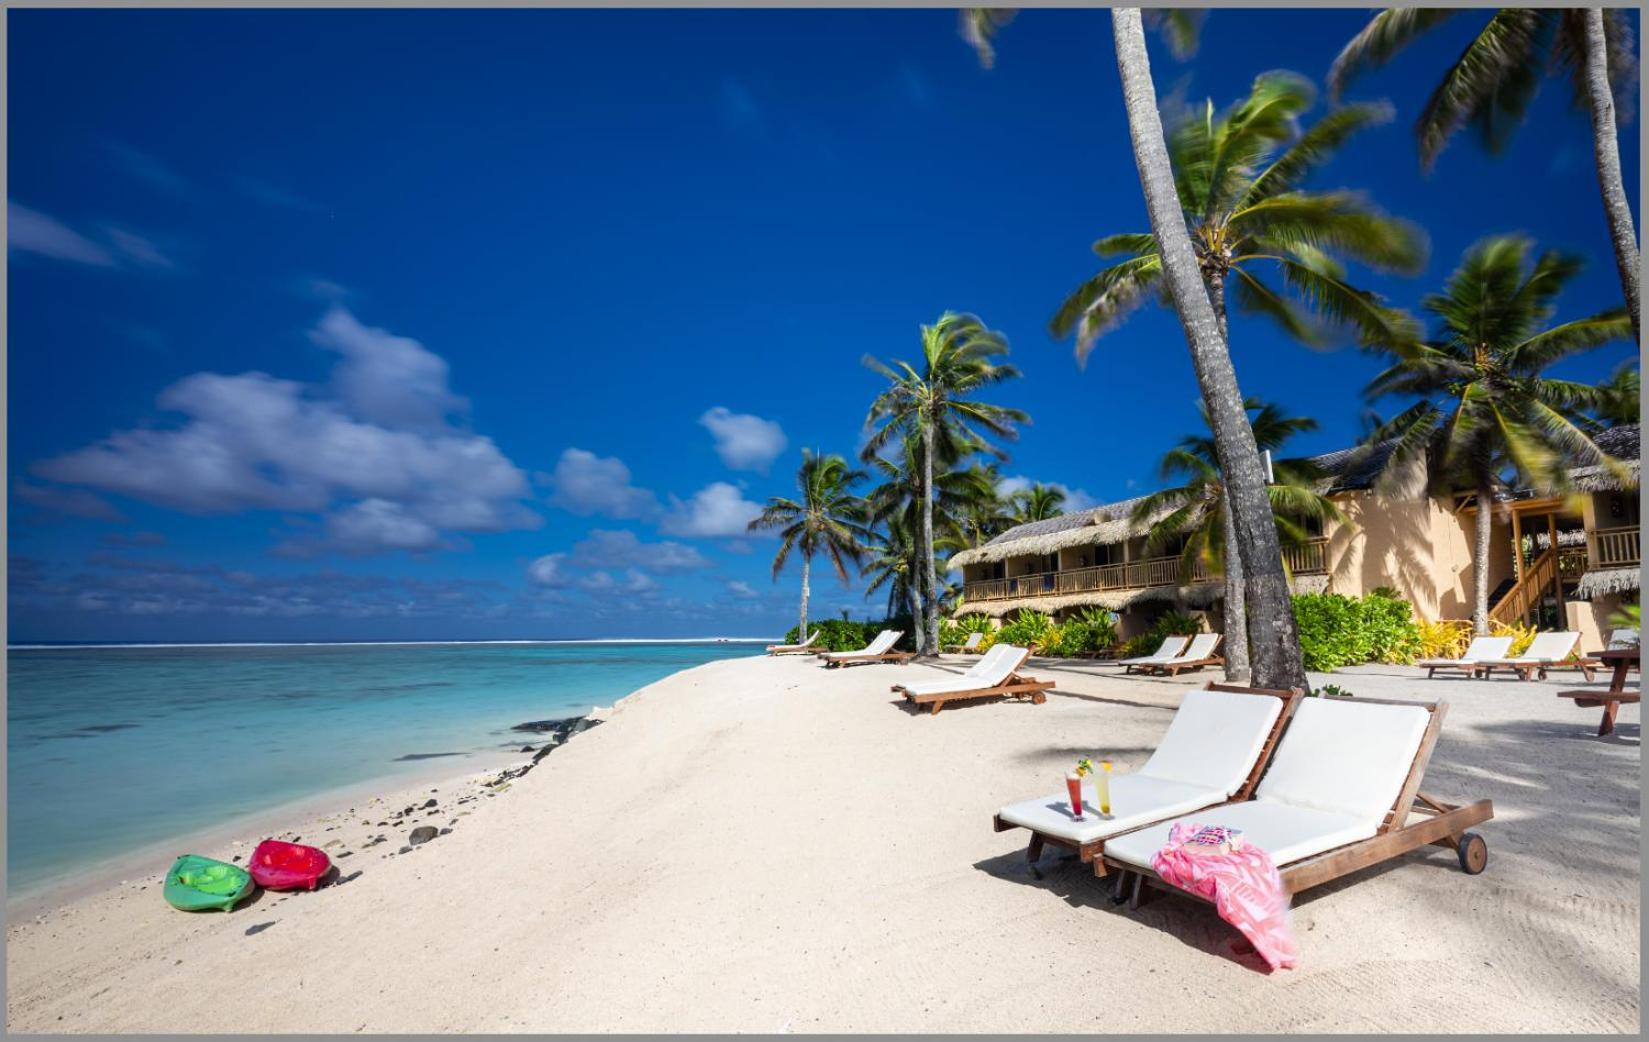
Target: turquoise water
[114,747]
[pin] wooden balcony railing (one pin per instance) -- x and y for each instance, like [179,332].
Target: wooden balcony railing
[1617,547]
[1134,575]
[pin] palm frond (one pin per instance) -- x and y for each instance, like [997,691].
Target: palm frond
[1386,33]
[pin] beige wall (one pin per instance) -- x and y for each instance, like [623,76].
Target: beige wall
[1591,620]
[1417,545]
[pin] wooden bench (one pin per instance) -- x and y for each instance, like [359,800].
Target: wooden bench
[1611,701]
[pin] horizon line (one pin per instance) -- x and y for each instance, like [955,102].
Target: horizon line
[380,643]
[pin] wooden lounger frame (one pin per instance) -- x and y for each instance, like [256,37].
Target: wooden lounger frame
[1091,851]
[1015,685]
[1172,669]
[1471,669]
[900,657]
[796,649]
[1442,824]
[1129,667]
[1528,670]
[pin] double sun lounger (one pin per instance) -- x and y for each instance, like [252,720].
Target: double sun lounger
[995,674]
[1178,653]
[1333,794]
[1548,651]
[879,650]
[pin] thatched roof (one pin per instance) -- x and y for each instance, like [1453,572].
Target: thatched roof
[1200,595]
[1604,581]
[1622,443]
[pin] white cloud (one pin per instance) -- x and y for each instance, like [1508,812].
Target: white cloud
[1075,499]
[75,502]
[743,441]
[31,231]
[378,461]
[546,571]
[739,588]
[604,548]
[139,249]
[718,510]
[585,484]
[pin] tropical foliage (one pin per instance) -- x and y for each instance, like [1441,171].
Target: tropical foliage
[828,519]
[846,635]
[1336,630]
[1168,624]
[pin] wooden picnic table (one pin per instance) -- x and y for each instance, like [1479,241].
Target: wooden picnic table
[1623,660]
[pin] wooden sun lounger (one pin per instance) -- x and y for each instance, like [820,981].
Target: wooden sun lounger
[1015,685]
[1090,852]
[898,657]
[1534,670]
[806,647]
[1440,824]
[1173,669]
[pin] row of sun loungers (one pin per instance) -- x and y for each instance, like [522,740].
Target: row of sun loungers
[1547,652]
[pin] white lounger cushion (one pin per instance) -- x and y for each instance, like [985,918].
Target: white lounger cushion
[1286,832]
[1214,740]
[1135,800]
[1345,756]
[1170,649]
[1546,647]
[883,641]
[1202,645]
[1207,753]
[972,641]
[995,666]
[1480,649]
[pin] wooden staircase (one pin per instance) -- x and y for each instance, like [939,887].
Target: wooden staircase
[1539,581]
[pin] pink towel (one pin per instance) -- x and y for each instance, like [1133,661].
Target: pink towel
[1244,886]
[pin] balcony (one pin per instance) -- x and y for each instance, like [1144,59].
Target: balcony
[1617,547]
[1307,559]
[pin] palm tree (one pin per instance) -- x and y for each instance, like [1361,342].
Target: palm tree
[1495,78]
[892,564]
[1195,509]
[1276,660]
[828,519]
[1238,175]
[983,515]
[958,353]
[1038,503]
[899,498]
[1619,395]
[1486,409]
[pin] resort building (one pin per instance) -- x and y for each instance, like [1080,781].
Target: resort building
[1559,561]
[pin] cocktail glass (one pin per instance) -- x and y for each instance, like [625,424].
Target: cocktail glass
[1073,787]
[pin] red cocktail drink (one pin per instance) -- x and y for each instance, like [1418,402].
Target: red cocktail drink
[1073,786]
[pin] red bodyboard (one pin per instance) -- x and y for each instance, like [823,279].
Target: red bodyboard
[288,866]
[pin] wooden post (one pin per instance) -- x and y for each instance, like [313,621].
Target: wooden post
[1557,569]
[1517,542]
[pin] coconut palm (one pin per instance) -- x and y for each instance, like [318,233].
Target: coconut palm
[828,519]
[1619,401]
[1195,509]
[892,563]
[1038,503]
[1276,660]
[1487,410]
[899,498]
[1238,176]
[982,516]
[1491,84]
[958,359]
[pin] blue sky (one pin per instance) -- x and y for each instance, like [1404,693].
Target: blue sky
[437,324]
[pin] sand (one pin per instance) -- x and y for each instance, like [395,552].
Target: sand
[763,845]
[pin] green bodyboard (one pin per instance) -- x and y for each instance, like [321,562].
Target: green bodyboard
[197,884]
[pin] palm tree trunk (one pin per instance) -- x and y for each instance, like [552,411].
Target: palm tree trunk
[915,608]
[1480,561]
[1237,670]
[1276,660]
[1606,150]
[807,566]
[929,644]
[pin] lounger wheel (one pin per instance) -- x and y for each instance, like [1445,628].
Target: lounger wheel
[1474,853]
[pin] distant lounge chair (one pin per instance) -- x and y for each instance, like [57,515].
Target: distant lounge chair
[996,673]
[1480,649]
[879,650]
[794,649]
[1198,654]
[1215,750]
[967,647]
[1166,652]
[1546,652]
[1336,798]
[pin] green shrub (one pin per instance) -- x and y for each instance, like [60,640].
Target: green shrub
[1089,630]
[956,631]
[1028,629]
[1336,630]
[846,635]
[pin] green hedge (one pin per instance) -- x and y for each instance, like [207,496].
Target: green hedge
[1336,630]
[845,635]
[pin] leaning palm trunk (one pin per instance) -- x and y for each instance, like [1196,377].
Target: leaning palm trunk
[1276,660]
[915,606]
[807,566]
[1236,610]
[929,643]
[1480,561]
[1606,150]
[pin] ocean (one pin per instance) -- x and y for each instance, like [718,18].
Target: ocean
[111,748]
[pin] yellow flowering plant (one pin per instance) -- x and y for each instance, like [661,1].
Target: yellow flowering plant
[1084,767]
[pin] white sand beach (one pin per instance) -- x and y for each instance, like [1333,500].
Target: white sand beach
[764,845]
